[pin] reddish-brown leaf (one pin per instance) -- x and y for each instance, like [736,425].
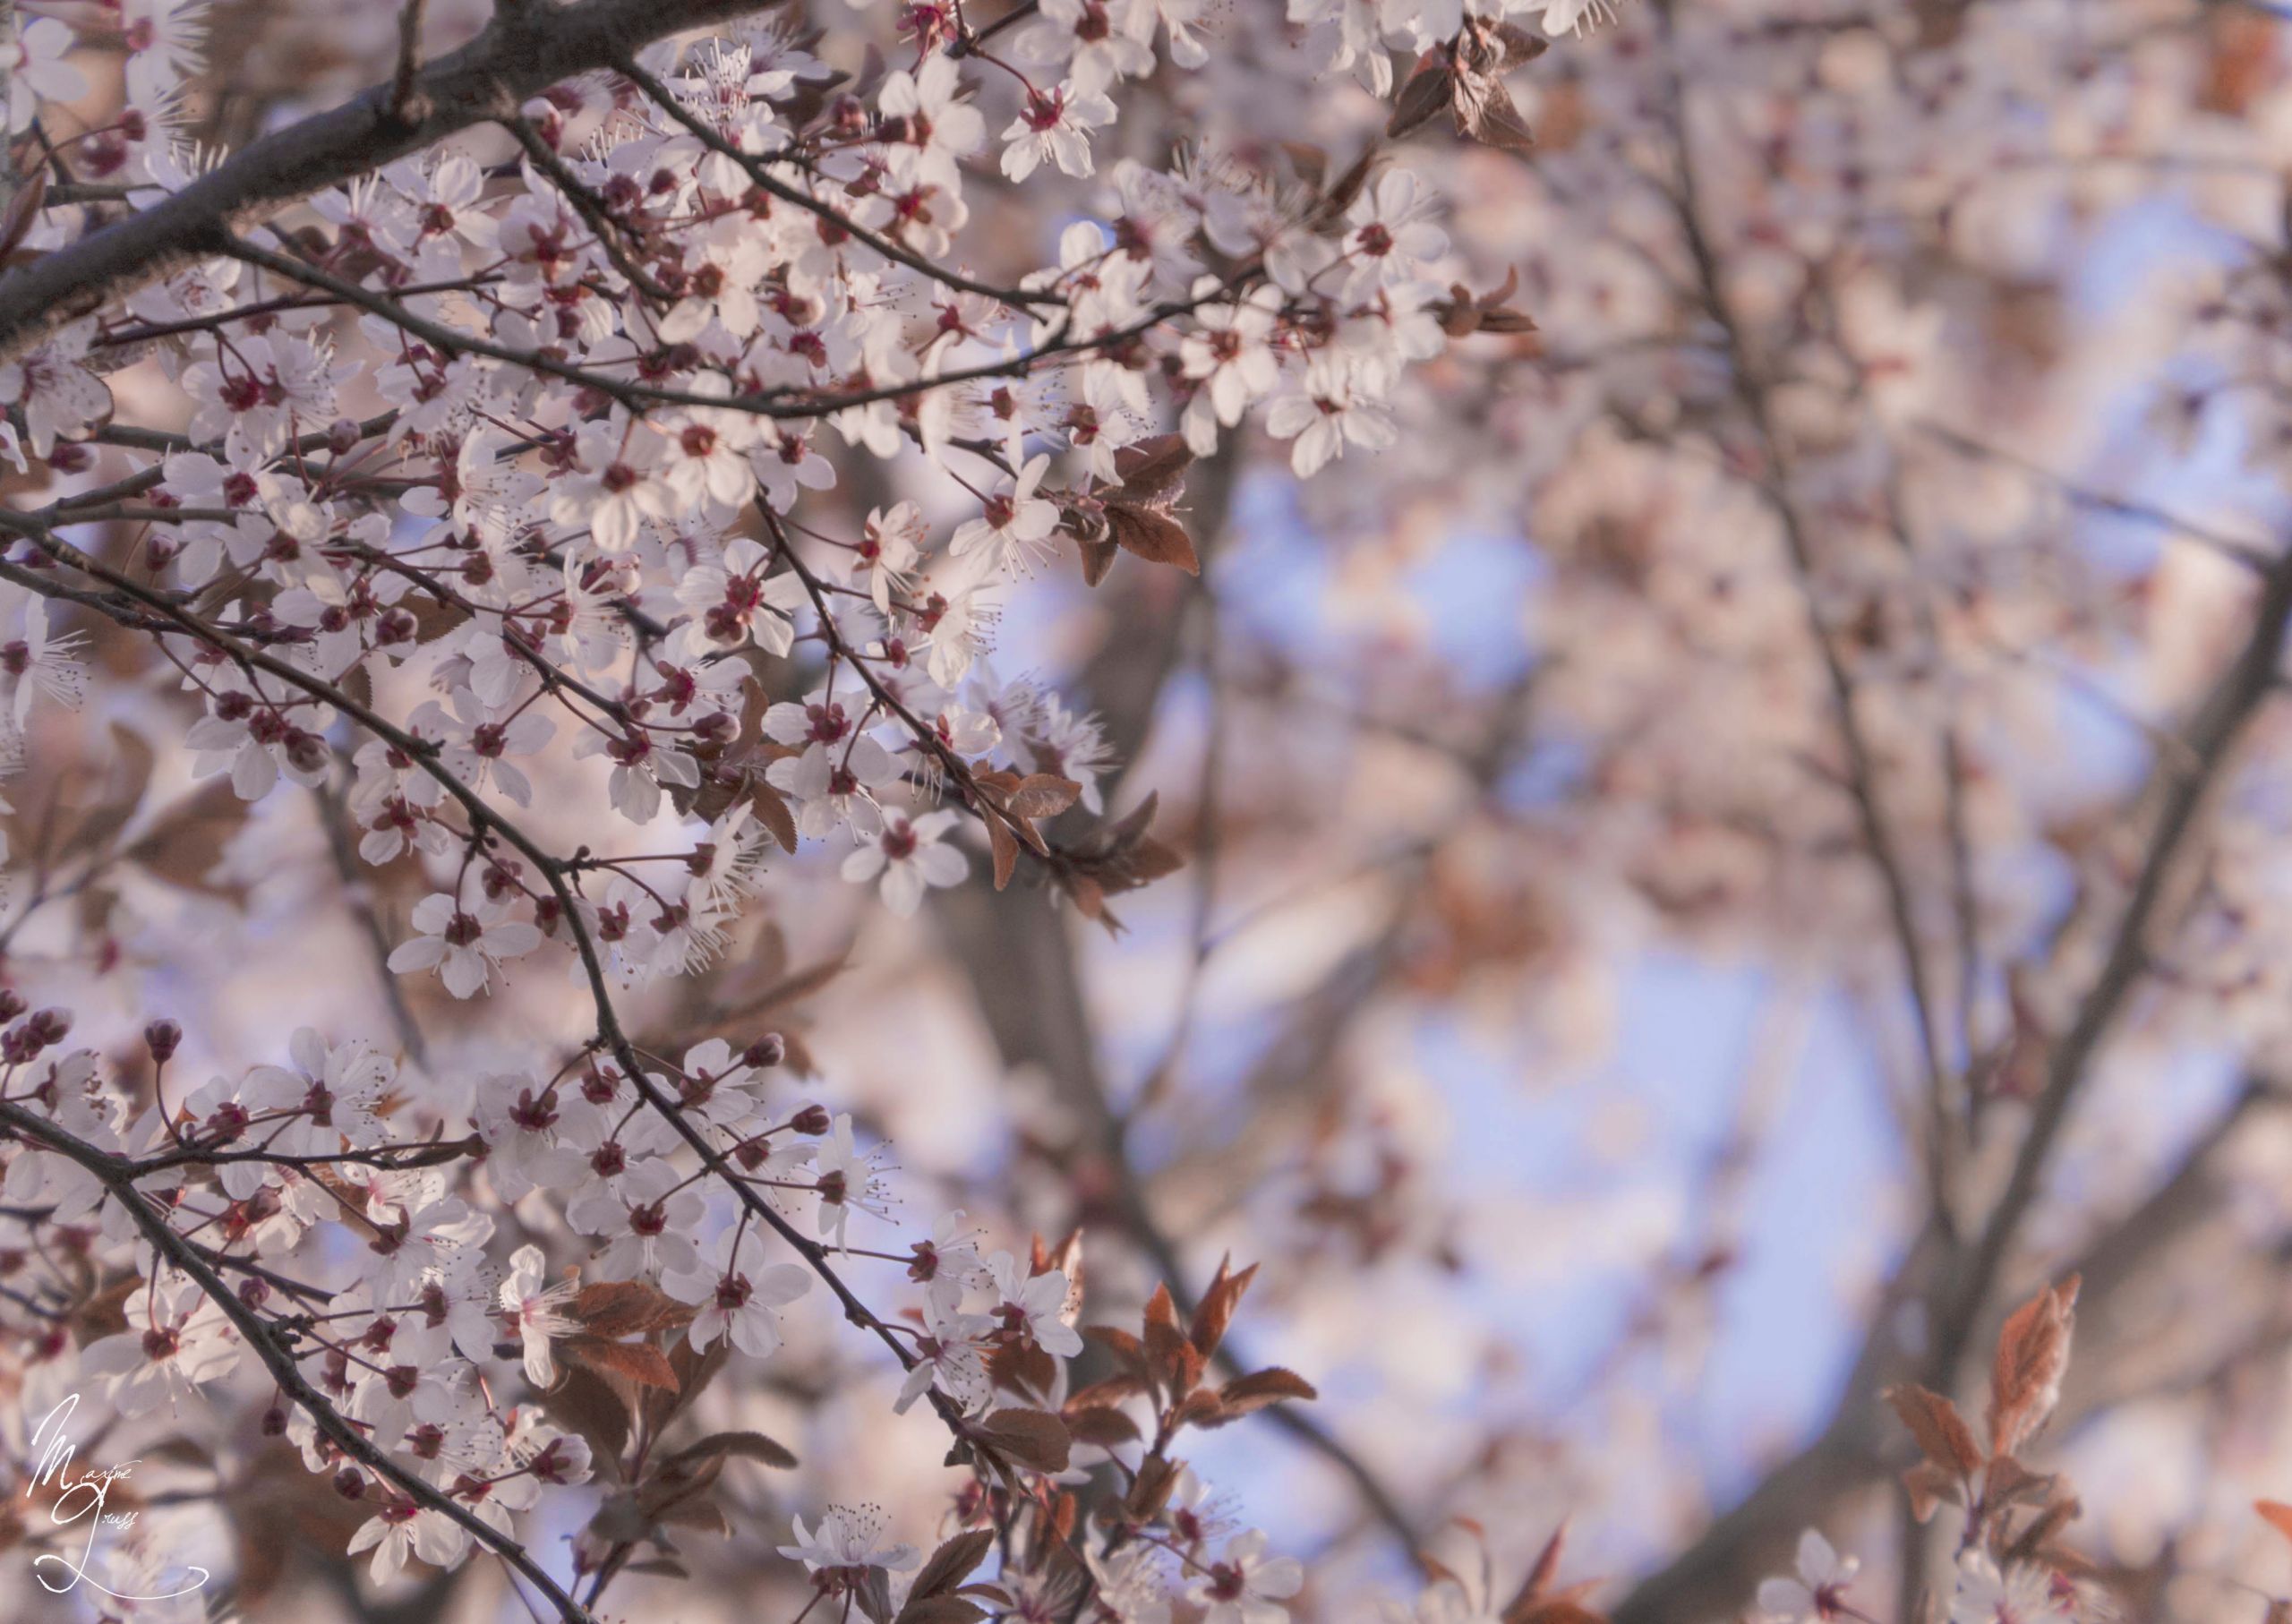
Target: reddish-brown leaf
[627,1308]
[1033,1439]
[1244,1395]
[1152,535]
[1098,554]
[1043,795]
[639,1361]
[1424,97]
[2276,1514]
[24,205]
[1128,1351]
[1176,1366]
[1003,846]
[1150,1492]
[1488,115]
[771,810]
[740,1445]
[1152,470]
[2032,1354]
[1942,1433]
[1930,1486]
[1216,1311]
[589,1403]
[1541,1573]
[940,1610]
[1112,1391]
[949,1565]
[1100,1424]
[1023,1369]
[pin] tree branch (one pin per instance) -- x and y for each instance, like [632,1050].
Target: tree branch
[522,50]
[117,1177]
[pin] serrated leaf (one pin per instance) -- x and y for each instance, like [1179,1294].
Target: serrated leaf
[1246,1394]
[949,1566]
[740,1445]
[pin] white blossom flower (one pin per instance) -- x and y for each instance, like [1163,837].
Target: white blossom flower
[465,946]
[737,1291]
[1246,1586]
[909,858]
[1818,1590]
[537,1312]
[848,1541]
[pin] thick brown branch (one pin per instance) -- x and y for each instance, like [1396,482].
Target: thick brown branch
[118,1175]
[522,50]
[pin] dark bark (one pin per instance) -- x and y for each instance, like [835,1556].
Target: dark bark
[523,49]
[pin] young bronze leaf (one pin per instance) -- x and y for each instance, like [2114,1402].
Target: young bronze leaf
[940,1610]
[1424,97]
[1175,1365]
[23,207]
[1024,1369]
[1942,1433]
[1541,1573]
[1043,795]
[1098,554]
[1216,1311]
[1152,470]
[1155,537]
[772,811]
[2276,1514]
[1005,847]
[1150,1492]
[2032,1354]
[1244,1395]
[627,1308]
[1930,1487]
[873,1592]
[1033,1439]
[1127,1351]
[694,1370]
[740,1446]
[1100,1424]
[949,1566]
[1487,114]
[639,1361]
[1560,1609]
[1200,1408]
[588,1403]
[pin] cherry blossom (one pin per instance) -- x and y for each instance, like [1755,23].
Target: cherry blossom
[465,946]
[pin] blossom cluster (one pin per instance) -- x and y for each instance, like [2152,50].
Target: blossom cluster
[483,495]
